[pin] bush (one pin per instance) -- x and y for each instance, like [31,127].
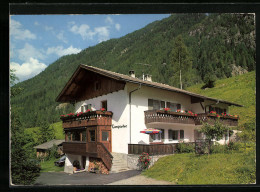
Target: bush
[217,148]
[144,161]
[185,148]
[231,146]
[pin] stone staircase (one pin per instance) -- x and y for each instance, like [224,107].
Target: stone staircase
[119,163]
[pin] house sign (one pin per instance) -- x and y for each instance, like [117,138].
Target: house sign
[119,126]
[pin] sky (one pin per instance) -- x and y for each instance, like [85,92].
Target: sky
[36,41]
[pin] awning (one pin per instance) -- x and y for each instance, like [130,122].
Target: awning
[151,131]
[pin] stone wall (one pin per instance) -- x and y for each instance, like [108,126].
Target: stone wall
[96,162]
[132,160]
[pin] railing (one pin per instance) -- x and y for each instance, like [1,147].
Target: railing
[211,119]
[74,147]
[152,149]
[168,117]
[105,155]
[88,119]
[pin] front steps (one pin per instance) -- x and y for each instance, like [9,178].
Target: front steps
[119,163]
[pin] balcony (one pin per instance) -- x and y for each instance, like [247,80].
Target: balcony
[211,119]
[153,116]
[92,118]
[159,116]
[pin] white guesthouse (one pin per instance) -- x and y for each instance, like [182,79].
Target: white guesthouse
[131,105]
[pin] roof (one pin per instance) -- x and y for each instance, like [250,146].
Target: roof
[126,78]
[49,144]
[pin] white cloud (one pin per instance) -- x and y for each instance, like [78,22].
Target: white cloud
[18,32]
[109,20]
[103,33]
[60,51]
[61,37]
[48,28]
[28,52]
[28,69]
[86,33]
[36,23]
[117,26]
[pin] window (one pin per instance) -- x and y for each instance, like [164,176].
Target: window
[150,104]
[76,136]
[104,104]
[157,137]
[173,134]
[68,136]
[84,135]
[87,107]
[92,135]
[162,104]
[105,135]
[156,104]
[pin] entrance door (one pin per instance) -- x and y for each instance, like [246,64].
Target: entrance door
[106,139]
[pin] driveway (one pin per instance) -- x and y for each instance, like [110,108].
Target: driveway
[84,178]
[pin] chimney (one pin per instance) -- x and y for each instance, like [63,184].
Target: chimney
[132,73]
[148,77]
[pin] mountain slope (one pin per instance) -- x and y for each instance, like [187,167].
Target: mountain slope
[215,43]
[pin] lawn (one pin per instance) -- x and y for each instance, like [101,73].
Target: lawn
[58,130]
[221,168]
[48,166]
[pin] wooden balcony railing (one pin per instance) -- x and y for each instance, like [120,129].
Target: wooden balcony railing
[92,118]
[152,116]
[168,117]
[75,147]
[211,119]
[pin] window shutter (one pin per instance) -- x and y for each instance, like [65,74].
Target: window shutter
[181,134]
[150,104]
[178,106]
[170,135]
[162,135]
[82,109]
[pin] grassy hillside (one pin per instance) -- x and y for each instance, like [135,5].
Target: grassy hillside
[220,168]
[58,130]
[239,89]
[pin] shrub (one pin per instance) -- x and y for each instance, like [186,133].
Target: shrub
[217,148]
[231,146]
[185,148]
[144,161]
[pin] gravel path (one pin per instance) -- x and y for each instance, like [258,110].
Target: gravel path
[140,180]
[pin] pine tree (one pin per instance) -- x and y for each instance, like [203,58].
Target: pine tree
[181,63]
[23,169]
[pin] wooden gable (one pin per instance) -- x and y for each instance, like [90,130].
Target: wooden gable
[86,84]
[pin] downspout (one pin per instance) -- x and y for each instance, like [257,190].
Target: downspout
[130,117]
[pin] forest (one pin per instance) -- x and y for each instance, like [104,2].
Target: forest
[204,47]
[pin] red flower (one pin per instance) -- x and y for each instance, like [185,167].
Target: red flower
[196,115]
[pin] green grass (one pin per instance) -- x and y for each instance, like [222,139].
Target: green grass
[48,166]
[58,130]
[190,169]
[239,89]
